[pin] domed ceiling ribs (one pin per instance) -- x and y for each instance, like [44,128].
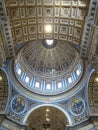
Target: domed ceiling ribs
[38,59]
[48,71]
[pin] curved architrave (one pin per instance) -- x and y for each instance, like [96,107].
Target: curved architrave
[51,105]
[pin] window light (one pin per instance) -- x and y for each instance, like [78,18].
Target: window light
[69,80]
[48,28]
[96,79]
[49,42]
[19,71]
[47,119]
[78,72]
[27,79]
[59,85]
[48,86]
[0,78]
[37,84]
[47,110]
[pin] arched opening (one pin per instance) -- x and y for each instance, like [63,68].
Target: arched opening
[47,118]
[93,94]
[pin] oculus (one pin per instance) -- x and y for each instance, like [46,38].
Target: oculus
[49,43]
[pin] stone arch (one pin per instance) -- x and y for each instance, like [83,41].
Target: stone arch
[50,105]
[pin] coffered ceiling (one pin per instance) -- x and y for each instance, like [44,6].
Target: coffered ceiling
[28,19]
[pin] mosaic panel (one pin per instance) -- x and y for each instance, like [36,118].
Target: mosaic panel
[77,106]
[18,105]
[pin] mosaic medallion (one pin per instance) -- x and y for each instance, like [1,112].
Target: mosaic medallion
[18,105]
[77,106]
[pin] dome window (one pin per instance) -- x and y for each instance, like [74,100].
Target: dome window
[27,79]
[78,72]
[37,84]
[48,86]
[59,85]
[19,71]
[69,80]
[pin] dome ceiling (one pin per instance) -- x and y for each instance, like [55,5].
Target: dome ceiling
[48,70]
[28,19]
[48,62]
[41,68]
